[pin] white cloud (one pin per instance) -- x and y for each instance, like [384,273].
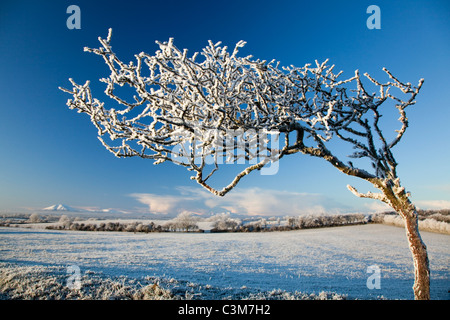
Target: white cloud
[258,202]
[433,204]
[164,204]
[377,206]
[250,201]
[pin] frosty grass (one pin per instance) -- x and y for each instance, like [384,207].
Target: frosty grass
[328,263]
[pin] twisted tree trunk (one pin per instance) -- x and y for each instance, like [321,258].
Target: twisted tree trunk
[420,257]
[395,196]
[399,200]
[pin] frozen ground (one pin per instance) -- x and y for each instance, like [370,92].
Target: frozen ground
[236,265]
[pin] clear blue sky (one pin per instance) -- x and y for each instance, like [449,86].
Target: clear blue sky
[50,154]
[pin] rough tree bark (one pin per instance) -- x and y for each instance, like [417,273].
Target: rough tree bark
[398,199]
[416,245]
[420,258]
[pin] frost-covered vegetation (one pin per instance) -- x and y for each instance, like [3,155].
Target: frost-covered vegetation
[429,220]
[12,219]
[50,283]
[186,222]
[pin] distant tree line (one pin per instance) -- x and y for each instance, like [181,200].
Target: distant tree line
[109,226]
[186,222]
[183,222]
[117,226]
[294,223]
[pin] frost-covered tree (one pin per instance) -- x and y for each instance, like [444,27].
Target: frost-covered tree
[198,110]
[34,218]
[65,221]
[224,222]
[184,221]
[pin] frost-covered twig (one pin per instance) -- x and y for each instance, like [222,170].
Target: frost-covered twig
[370,195]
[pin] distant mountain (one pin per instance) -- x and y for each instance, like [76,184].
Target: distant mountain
[59,207]
[93,212]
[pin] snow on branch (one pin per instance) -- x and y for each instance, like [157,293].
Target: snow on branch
[370,195]
[197,110]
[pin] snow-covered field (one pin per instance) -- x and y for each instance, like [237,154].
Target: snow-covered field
[235,265]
